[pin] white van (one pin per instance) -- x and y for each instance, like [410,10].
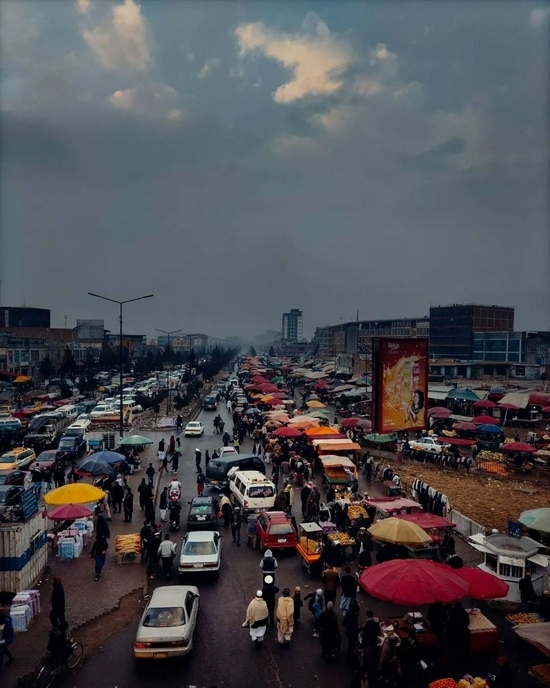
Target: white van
[79,427]
[68,411]
[252,491]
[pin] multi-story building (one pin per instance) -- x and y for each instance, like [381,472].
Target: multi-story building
[293,326]
[90,330]
[452,328]
[11,317]
[184,342]
[321,340]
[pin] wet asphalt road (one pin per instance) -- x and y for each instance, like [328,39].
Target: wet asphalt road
[223,655]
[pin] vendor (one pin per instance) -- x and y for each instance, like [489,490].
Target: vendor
[527,592]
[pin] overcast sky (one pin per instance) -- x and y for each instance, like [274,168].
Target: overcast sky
[239,159]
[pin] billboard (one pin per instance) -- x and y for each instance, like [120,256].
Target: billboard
[400,384]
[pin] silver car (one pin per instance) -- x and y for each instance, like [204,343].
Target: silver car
[168,622]
[201,552]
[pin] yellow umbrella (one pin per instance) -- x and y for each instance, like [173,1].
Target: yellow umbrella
[399,532]
[22,378]
[315,404]
[74,493]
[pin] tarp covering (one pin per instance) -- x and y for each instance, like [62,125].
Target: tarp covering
[426,520]
[519,399]
[537,634]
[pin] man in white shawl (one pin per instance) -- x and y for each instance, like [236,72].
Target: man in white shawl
[256,619]
[285,618]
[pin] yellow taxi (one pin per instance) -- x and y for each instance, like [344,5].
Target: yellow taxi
[17,458]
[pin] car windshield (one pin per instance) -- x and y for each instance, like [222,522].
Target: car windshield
[280,529]
[216,467]
[193,425]
[260,491]
[7,459]
[201,509]
[199,549]
[164,617]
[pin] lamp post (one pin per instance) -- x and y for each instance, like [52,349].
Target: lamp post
[120,303]
[168,333]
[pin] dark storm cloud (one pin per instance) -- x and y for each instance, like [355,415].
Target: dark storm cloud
[379,196]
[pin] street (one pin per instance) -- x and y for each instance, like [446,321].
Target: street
[223,653]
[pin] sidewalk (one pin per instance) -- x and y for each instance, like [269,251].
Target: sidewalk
[85,599]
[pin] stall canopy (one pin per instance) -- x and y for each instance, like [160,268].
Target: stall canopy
[333,461]
[459,442]
[463,395]
[426,521]
[519,399]
[336,445]
[537,634]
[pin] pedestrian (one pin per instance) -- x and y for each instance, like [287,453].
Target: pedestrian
[351,624]
[458,632]
[164,463]
[163,505]
[128,505]
[298,604]
[101,525]
[268,564]
[162,445]
[36,475]
[304,496]
[289,496]
[59,474]
[57,602]
[388,663]
[328,631]
[167,552]
[206,458]
[152,553]
[349,590]
[6,639]
[360,679]
[527,592]
[198,458]
[142,493]
[145,535]
[237,444]
[315,606]
[150,512]
[150,473]
[281,502]
[47,479]
[251,530]
[256,619]
[226,510]
[236,523]
[201,479]
[98,553]
[172,444]
[364,546]
[285,618]
[370,633]
[269,592]
[331,581]
[117,493]
[176,460]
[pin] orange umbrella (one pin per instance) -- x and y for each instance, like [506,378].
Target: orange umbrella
[325,430]
[304,423]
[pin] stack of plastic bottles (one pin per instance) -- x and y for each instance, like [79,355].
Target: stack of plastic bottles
[70,543]
[24,607]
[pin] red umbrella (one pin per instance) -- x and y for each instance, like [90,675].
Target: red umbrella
[321,384]
[68,512]
[365,424]
[538,400]
[486,420]
[519,447]
[349,422]
[512,407]
[465,425]
[483,585]
[279,395]
[288,432]
[484,403]
[439,411]
[546,409]
[412,582]
[269,388]
[272,401]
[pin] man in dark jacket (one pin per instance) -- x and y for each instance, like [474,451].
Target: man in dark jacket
[6,639]
[101,526]
[527,592]
[328,631]
[269,592]
[348,584]
[57,601]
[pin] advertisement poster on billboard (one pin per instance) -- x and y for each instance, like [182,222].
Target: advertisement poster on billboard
[401,384]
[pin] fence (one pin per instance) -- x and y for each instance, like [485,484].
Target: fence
[464,525]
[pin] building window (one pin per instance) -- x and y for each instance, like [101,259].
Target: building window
[510,571]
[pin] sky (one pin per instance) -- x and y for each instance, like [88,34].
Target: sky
[238,159]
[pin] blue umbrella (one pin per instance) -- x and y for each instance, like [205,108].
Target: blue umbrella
[489,428]
[91,466]
[109,457]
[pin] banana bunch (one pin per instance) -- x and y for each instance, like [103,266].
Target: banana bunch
[128,543]
[487,455]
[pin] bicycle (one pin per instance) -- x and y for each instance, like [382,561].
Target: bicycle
[48,671]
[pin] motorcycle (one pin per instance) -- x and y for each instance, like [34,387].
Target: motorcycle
[175,518]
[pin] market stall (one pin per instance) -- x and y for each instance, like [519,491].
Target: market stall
[384,507]
[310,546]
[332,446]
[338,470]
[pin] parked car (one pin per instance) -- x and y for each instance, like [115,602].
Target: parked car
[168,623]
[427,444]
[47,458]
[194,429]
[274,530]
[203,513]
[19,457]
[201,552]
[10,495]
[12,477]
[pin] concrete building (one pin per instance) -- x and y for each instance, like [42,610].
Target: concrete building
[452,328]
[90,330]
[293,326]
[184,342]
[22,316]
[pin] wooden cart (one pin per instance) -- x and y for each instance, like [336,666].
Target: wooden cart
[310,546]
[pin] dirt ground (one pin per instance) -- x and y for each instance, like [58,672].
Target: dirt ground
[492,502]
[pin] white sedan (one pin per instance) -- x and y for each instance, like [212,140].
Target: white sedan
[194,429]
[168,622]
[427,444]
[201,552]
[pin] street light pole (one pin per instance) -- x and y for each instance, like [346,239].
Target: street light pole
[168,333]
[120,360]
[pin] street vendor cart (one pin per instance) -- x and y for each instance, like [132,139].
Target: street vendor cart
[310,546]
[334,470]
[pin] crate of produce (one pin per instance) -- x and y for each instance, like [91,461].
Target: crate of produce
[522,618]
